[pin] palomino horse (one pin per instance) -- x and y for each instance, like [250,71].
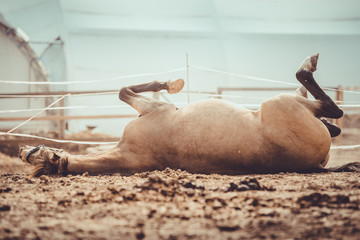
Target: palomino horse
[288,133]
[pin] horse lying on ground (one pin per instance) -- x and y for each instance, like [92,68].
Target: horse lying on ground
[288,133]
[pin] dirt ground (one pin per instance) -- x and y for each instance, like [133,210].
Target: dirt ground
[174,204]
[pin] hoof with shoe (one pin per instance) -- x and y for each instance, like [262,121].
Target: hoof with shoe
[175,86]
[310,63]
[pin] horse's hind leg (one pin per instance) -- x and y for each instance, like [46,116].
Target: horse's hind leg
[333,129]
[144,104]
[326,107]
[301,91]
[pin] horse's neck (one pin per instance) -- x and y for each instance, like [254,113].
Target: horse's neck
[99,162]
[118,159]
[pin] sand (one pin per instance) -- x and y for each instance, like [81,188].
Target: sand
[175,204]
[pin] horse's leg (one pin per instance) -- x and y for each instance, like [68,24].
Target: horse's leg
[350,167]
[326,106]
[301,91]
[333,129]
[144,104]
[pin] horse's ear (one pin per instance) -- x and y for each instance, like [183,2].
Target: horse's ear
[50,164]
[54,158]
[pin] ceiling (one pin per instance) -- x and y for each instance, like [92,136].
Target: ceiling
[220,17]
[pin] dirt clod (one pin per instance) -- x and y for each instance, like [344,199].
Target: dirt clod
[325,200]
[248,184]
[4,208]
[5,189]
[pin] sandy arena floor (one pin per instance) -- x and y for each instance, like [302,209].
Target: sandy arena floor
[174,204]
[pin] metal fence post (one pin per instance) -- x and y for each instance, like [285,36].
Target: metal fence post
[61,119]
[339,98]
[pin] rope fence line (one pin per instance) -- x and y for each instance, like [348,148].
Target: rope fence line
[344,147]
[165,72]
[63,108]
[32,117]
[57,95]
[260,78]
[221,95]
[9,133]
[351,103]
[56,140]
[128,107]
[344,106]
[93,93]
[243,76]
[75,107]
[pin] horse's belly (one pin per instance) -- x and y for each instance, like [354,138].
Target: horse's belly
[216,135]
[206,135]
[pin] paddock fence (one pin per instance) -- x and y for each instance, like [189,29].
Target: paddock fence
[61,116]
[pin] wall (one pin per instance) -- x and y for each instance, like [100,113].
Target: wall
[261,38]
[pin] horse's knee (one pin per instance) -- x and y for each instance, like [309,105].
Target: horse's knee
[124,94]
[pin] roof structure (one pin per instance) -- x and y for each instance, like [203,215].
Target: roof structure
[26,50]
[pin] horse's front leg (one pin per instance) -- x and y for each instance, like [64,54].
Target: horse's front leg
[144,104]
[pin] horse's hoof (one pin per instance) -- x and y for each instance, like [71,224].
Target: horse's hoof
[310,63]
[175,86]
[314,59]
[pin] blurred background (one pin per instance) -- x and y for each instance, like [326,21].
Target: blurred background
[104,45]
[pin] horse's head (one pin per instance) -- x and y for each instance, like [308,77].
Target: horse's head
[46,160]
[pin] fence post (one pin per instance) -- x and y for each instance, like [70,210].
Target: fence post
[187,78]
[219,92]
[339,98]
[62,120]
